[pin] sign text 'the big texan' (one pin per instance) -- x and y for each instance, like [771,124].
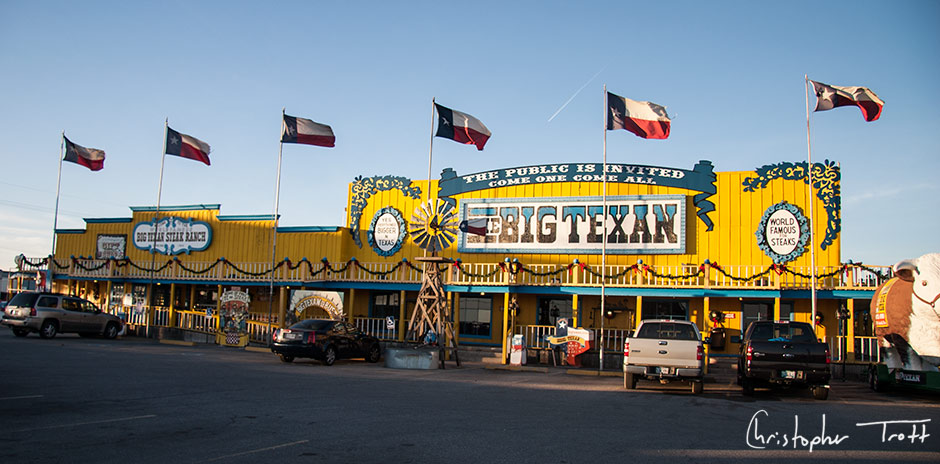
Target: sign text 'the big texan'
[701,178]
[635,224]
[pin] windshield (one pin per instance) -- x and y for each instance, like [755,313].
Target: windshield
[782,333]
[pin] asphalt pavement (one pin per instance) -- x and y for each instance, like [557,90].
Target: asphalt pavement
[74,399]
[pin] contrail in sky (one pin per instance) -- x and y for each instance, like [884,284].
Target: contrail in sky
[576,93]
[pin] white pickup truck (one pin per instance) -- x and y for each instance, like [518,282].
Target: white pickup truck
[664,350]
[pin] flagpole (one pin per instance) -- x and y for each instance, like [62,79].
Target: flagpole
[600,364]
[812,234]
[156,221]
[431,153]
[277,199]
[55,218]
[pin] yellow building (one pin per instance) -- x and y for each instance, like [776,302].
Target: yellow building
[528,248]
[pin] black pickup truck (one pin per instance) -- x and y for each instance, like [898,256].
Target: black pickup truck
[781,353]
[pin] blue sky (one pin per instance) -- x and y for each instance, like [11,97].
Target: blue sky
[730,73]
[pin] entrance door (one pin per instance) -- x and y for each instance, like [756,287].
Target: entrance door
[755,311]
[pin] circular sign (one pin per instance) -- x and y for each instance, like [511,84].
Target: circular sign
[783,232]
[387,231]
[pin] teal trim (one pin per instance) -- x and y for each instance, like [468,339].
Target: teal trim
[462,342]
[478,289]
[829,294]
[308,229]
[70,231]
[149,209]
[107,220]
[247,217]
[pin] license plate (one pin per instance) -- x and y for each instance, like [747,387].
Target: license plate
[664,370]
[790,374]
[291,336]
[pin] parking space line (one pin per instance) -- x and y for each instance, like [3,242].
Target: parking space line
[21,397]
[60,426]
[283,445]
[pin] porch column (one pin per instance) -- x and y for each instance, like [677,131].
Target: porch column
[777,308]
[575,310]
[850,331]
[505,323]
[171,319]
[352,304]
[639,312]
[456,311]
[402,315]
[282,307]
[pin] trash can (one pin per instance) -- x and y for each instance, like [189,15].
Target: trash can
[717,339]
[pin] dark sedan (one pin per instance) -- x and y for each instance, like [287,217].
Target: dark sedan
[326,340]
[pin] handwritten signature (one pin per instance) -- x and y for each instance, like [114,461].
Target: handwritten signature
[891,431]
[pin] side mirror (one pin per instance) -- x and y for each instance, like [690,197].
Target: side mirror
[707,340]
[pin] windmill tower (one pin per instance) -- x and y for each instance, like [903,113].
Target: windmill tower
[434,228]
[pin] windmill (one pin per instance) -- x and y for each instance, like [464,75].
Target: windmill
[434,228]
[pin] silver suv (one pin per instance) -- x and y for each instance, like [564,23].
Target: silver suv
[52,313]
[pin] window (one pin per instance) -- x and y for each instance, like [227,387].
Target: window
[89,307]
[666,309]
[385,304]
[764,311]
[71,304]
[552,309]
[668,331]
[476,315]
[48,302]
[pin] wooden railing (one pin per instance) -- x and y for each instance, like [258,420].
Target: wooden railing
[483,274]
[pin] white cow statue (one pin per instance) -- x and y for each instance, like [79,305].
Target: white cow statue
[907,314]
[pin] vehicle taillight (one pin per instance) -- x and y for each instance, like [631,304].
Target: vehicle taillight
[275,334]
[699,353]
[32,312]
[626,350]
[828,357]
[311,337]
[750,354]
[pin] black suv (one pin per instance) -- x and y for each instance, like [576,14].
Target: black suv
[326,340]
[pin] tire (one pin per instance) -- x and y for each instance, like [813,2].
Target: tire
[48,329]
[629,381]
[747,387]
[21,332]
[697,387]
[111,331]
[286,358]
[874,382]
[821,392]
[329,355]
[374,354]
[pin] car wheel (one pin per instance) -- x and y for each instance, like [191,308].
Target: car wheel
[874,382]
[629,381]
[747,387]
[111,331]
[820,392]
[375,353]
[48,329]
[286,358]
[329,356]
[20,332]
[697,387]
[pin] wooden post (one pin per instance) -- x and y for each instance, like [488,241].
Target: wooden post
[575,310]
[777,308]
[850,331]
[402,315]
[639,312]
[282,309]
[505,323]
[171,320]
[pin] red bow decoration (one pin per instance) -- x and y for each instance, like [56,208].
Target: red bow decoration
[779,269]
[502,266]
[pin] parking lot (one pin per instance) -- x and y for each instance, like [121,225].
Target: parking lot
[94,400]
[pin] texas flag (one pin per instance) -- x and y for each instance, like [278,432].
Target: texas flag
[186,146]
[91,158]
[645,119]
[833,96]
[305,131]
[461,127]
